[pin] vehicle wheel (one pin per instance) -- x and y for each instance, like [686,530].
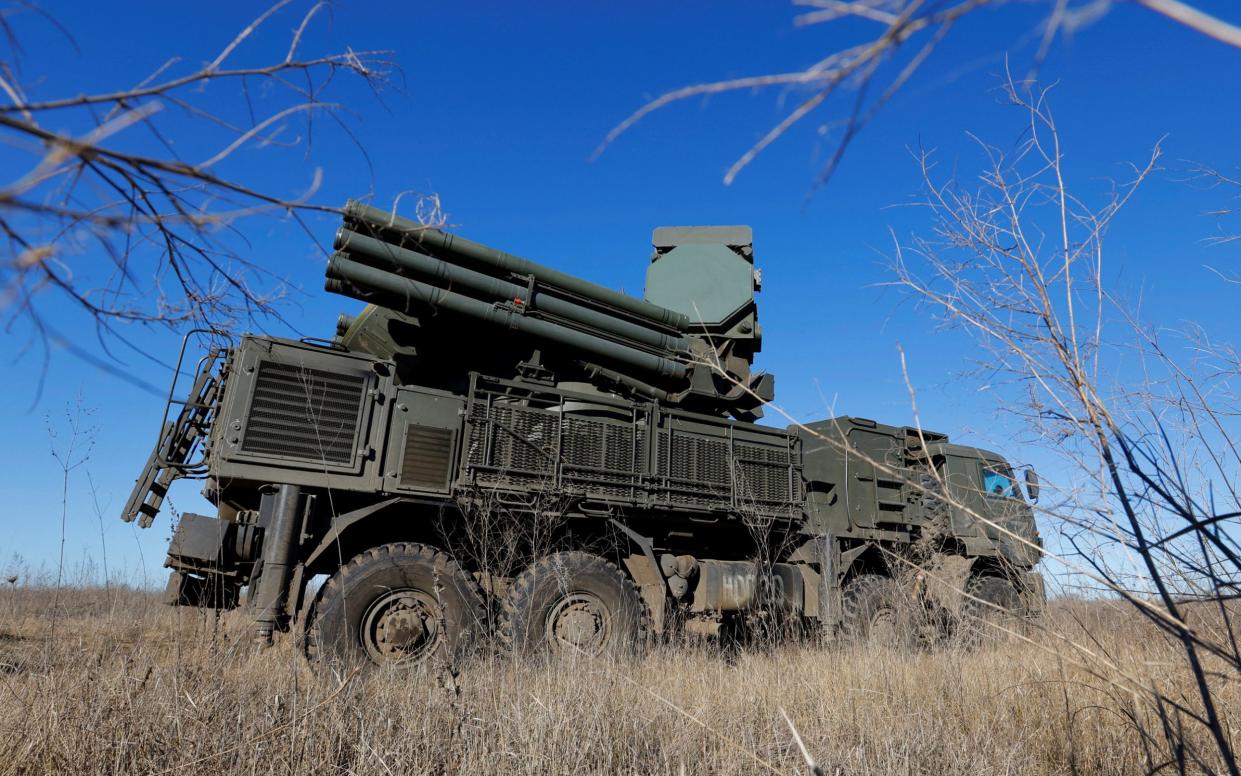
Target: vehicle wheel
[935,509]
[399,604]
[574,603]
[874,611]
[991,611]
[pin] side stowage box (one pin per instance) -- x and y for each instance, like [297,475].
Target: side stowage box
[856,475]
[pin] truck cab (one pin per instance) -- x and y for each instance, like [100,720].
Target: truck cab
[990,516]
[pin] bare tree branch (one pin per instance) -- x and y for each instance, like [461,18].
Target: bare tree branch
[1150,440]
[858,67]
[1196,20]
[112,219]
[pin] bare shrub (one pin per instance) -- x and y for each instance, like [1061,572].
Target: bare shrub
[1142,416]
[111,214]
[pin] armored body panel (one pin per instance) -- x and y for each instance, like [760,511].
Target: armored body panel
[305,413]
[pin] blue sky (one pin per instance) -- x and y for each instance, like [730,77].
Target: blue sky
[501,109]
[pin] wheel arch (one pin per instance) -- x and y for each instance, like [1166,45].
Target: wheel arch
[643,568]
[396,519]
[995,566]
[865,558]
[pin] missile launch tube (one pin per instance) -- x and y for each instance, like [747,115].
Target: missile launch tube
[646,389]
[429,268]
[448,243]
[360,281]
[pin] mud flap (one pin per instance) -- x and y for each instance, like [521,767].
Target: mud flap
[1033,593]
[644,571]
[944,578]
[210,592]
[204,573]
[652,588]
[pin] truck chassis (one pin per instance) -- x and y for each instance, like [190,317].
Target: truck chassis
[560,519]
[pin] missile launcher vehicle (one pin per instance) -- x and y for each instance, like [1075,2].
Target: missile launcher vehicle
[493,449]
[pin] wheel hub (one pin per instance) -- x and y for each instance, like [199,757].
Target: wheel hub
[402,626]
[883,627]
[578,622]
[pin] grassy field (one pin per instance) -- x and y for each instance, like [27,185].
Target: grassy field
[100,681]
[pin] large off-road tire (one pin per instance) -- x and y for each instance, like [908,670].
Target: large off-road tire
[936,512]
[574,603]
[993,610]
[401,604]
[875,612]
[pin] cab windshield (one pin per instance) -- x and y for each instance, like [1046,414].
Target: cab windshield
[998,481]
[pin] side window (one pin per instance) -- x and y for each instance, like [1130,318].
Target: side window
[995,483]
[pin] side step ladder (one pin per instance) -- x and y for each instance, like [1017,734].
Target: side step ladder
[178,440]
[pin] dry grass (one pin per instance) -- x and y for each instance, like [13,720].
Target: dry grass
[129,686]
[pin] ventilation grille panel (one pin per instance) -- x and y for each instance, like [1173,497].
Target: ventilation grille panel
[428,458]
[765,475]
[306,413]
[526,442]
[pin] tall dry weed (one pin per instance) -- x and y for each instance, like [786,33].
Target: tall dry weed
[129,686]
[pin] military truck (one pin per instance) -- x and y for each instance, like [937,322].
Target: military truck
[493,449]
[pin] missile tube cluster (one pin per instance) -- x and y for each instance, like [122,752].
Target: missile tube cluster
[404,265]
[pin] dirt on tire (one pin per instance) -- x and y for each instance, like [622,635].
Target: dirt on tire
[446,605]
[574,602]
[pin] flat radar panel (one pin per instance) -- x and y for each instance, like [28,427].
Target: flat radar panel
[707,282]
